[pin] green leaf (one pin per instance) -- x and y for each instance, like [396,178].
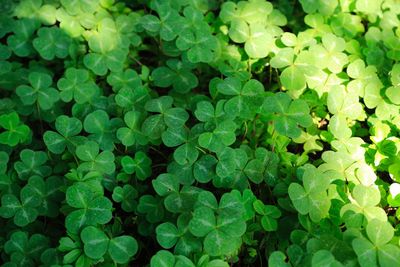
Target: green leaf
[140,165]
[165,184]
[76,85]
[93,160]
[122,248]
[203,221]
[39,92]
[15,132]
[52,42]
[162,258]
[95,242]
[167,235]
[292,78]
[67,129]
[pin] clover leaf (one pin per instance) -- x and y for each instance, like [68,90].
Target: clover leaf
[364,207]
[76,84]
[102,162]
[32,163]
[66,135]
[47,191]
[25,249]
[90,208]
[168,24]
[245,99]
[126,79]
[127,196]
[176,199]
[288,114]
[20,42]
[96,244]
[199,45]
[219,226]
[168,235]
[100,63]
[131,135]
[154,125]
[187,152]
[177,74]
[101,128]
[311,197]
[39,91]
[23,210]
[52,42]
[140,165]
[376,249]
[204,168]
[269,213]
[152,207]
[330,51]
[14,131]
[223,135]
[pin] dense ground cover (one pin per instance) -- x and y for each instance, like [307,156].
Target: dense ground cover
[199,133]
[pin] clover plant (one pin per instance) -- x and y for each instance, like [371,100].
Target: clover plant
[199,133]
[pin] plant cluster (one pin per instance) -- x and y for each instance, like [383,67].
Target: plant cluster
[199,133]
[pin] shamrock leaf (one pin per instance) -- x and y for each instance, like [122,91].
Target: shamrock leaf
[168,24]
[140,165]
[187,152]
[24,249]
[152,207]
[39,91]
[218,225]
[96,244]
[288,114]
[223,135]
[269,213]
[23,210]
[155,125]
[20,42]
[176,200]
[76,85]
[293,77]
[122,248]
[15,131]
[366,199]
[204,168]
[342,102]
[100,63]
[101,128]
[126,79]
[249,27]
[68,129]
[178,74]
[48,192]
[93,160]
[127,196]
[131,135]
[169,235]
[245,99]
[52,42]
[90,208]
[324,258]
[376,249]
[128,97]
[311,198]
[330,51]
[32,163]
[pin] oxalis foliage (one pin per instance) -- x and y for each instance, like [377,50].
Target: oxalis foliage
[199,133]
